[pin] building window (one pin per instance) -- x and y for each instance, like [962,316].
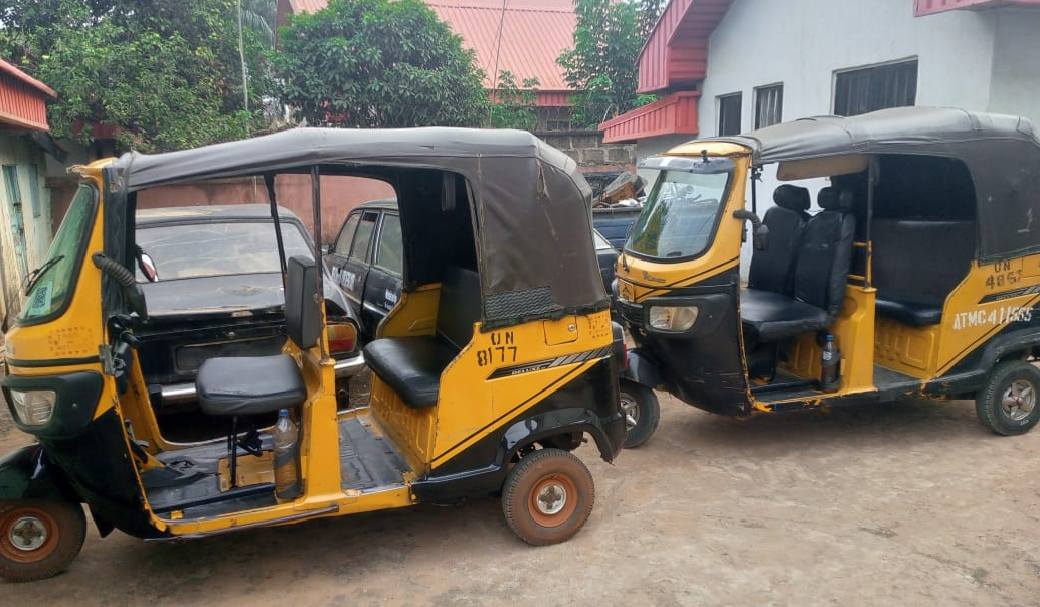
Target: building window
[34,189]
[769,105]
[873,88]
[729,114]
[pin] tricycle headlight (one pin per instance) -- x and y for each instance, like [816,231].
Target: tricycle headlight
[673,318]
[33,407]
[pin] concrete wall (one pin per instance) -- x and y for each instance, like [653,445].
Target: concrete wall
[17,151]
[1016,63]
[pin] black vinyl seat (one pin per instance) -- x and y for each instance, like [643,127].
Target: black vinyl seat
[772,269]
[916,263]
[412,366]
[821,271]
[918,315]
[249,385]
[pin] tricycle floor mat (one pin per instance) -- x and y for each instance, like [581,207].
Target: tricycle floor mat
[367,461]
[191,483]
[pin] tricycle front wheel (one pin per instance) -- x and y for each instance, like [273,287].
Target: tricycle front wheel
[642,413]
[39,538]
[547,497]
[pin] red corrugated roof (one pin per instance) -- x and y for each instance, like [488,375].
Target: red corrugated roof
[23,99]
[674,114]
[532,36]
[534,33]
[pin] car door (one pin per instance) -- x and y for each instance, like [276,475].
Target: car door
[349,259]
[383,285]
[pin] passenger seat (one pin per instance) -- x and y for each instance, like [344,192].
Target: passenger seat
[772,269]
[412,366]
[821,271]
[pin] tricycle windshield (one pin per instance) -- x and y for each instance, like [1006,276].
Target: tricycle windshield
[680,215]
[50,286]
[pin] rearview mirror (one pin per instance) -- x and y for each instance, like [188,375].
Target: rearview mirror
[147,266]
[760,233]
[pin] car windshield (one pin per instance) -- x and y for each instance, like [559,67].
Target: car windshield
[203,249]
[680,215]
[51,284]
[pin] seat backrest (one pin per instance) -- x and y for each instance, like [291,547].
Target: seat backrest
[459,306]
[822,268]
[920,261]
[772,269]
[302,306]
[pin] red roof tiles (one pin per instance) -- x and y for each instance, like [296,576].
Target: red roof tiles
[534,33]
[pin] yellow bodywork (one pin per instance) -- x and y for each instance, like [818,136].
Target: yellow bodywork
[471,405]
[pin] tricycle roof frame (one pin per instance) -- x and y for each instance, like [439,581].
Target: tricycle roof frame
[532,207]
[1001,152]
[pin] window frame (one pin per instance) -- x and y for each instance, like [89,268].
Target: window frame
[720,102]
[379,240]
[874,67]
[367,258]
[766,88]
[342,234]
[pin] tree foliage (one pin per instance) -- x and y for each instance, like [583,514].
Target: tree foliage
[603,64]
[162,75]
[378,63]
[513,106]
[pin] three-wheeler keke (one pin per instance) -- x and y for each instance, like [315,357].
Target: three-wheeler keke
[918,276]
[497,361]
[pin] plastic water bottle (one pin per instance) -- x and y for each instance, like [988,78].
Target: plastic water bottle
[830,359]
[286,458]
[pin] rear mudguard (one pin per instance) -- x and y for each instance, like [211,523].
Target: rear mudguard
[642,369]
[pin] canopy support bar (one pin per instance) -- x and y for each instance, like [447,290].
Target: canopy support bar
[272,199]
[320,274]
[872,180]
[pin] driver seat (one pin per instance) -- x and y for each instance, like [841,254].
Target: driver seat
[821,271]
[234,386]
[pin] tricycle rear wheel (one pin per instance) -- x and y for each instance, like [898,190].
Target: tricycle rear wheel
[547,497]
[39,538]
[1007,404]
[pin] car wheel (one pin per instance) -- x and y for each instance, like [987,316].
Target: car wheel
[547,497]
[1007,404]
[642,413]
[39,538]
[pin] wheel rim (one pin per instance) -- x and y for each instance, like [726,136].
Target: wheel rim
[27,535]
[1019,400]
[553,500]
[630,407]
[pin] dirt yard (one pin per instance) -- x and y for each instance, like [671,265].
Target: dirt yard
[907,504]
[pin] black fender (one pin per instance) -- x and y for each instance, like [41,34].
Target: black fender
[971,373]
[27,474]
[643,369]
[609,436]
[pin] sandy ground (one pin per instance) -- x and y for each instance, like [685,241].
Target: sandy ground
[905,504]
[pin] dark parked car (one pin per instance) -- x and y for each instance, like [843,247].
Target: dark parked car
[614,223]
[216,290]
[365,261]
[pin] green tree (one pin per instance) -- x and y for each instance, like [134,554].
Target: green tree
[378,63]
[514,104]
[603,65]
[165,75]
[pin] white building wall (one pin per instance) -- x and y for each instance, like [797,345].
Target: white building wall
[802,43]
[1016,64]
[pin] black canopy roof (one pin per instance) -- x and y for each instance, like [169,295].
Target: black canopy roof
[1001,152]
[532,206]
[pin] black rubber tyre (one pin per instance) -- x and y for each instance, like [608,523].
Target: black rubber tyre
[1008,403]
[39,538]
[642,413]
[547,497]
